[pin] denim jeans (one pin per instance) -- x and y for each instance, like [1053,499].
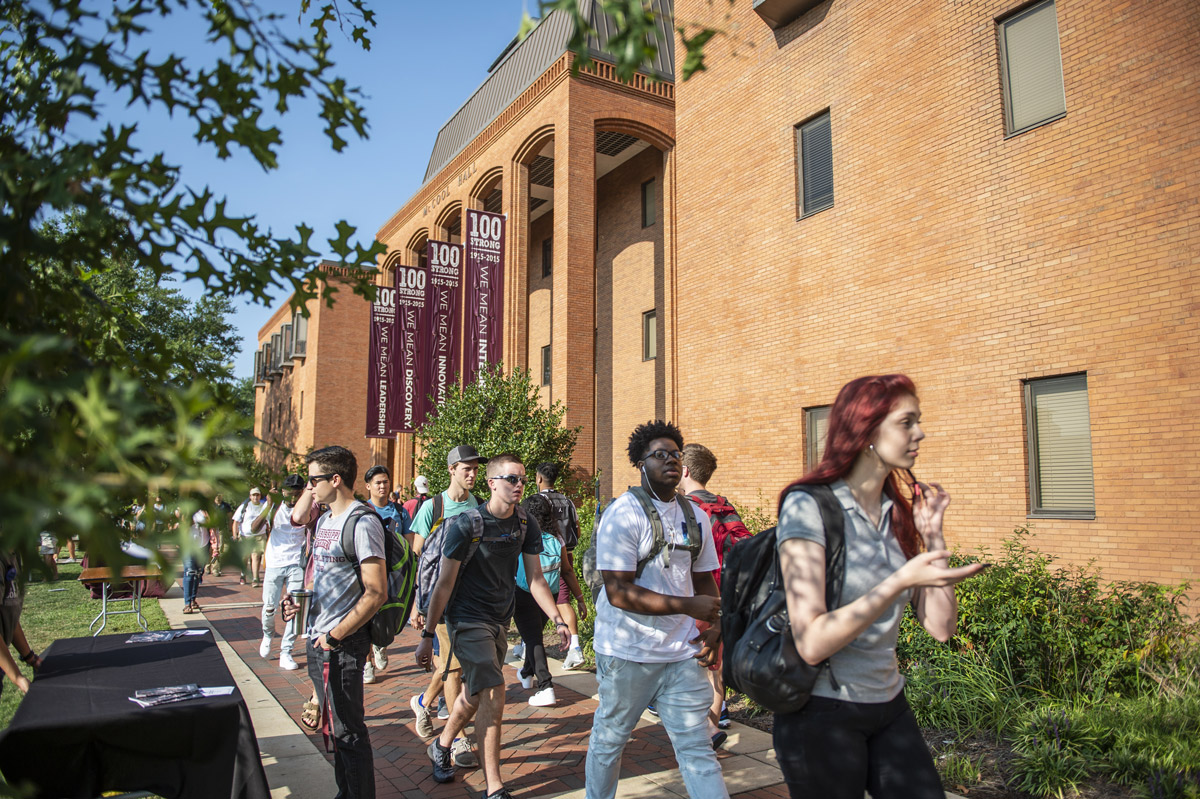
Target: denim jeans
[682,697]
[274,581]
[353,761]
[193,571]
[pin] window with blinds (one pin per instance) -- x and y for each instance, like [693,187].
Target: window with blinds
[650,335]
[814,165]
[816,422]
[1060,448]
[1031,68]
[546,365]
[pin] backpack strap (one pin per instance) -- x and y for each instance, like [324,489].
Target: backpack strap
[659,543]
[348,528]
[477,536]
[436,519]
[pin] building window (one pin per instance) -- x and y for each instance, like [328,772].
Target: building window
[1060,448]
[649,206]
[1031,68]
[301,404]
[299,335]
[547,256]
[546,365]
[649,335]
[816,421]
[814,165]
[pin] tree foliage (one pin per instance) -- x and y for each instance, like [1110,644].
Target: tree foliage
[498,413]
[111,388]
[636,39]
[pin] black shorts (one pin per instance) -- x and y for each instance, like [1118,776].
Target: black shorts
[480,648]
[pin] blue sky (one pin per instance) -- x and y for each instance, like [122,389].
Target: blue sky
[426,59]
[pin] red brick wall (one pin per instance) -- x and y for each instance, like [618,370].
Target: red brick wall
[966,259]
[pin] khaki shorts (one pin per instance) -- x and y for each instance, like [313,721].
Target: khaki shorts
[480,648]
[446,657]
[258,543]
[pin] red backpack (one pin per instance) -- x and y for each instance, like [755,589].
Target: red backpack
[727,527]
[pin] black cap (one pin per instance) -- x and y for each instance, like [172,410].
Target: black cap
[464,453]
[293,481]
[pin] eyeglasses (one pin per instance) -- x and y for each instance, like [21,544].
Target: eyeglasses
[664,454]
[316,478]
[511,479]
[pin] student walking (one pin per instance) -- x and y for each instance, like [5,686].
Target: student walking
[476,588]
[284,570]
[655,552]
[857,732]
[528,615]
[342,603]
[567,522]
[397,522]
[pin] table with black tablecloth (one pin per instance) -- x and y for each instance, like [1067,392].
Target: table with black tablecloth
[77,734]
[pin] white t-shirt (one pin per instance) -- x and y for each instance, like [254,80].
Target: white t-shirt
[245,516]
[285,547]
[625,535]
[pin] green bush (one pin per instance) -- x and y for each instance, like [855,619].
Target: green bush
[1059,632]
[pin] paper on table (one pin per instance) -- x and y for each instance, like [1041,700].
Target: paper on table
[194,631]
[222,690]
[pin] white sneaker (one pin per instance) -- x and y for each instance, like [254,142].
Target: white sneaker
[526,682]
[544,698]
[574,658]
[381,658]
[264,649]
[369,672]
[518,653]
[287,662]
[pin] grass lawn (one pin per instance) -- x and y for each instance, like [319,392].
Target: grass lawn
[63,609]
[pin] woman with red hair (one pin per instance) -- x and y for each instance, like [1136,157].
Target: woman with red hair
[857,732]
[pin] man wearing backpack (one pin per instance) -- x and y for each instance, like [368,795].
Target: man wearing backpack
[397,522]
[727,529]
[421,486]
[338,640]
[656,555]
[429,528]
[476,588]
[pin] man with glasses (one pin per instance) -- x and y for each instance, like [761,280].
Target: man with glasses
[429,525]
[656,555]
[343,601]
[477,590]
[397,522]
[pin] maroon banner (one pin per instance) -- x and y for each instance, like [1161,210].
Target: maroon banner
[484,254]
[441,348]
[380,364]
[411,302]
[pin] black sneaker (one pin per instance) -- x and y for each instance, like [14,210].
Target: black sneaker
[500,794]
[723,722]
[443,768]
[719,739]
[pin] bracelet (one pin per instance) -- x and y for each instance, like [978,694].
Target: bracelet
[29,656]
[562,624]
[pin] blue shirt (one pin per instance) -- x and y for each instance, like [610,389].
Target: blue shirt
[394,516]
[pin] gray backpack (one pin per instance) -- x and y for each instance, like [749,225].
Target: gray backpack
[592,576]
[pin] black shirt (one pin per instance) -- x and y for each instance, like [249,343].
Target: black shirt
[487,584]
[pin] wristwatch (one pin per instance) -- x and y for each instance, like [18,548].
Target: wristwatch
[334,643]
[428,634]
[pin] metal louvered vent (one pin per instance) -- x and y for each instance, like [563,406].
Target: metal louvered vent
[612,143]
[494,201]
[541,171]
[535,203]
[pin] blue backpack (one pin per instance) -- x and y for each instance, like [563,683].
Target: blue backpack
[551,558]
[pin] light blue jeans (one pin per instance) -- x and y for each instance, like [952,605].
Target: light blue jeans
[274,581]
[681,695]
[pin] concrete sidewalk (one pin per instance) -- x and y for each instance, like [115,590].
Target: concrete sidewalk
[544,748]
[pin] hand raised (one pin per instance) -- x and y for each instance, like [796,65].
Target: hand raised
[930,569]
[929,506]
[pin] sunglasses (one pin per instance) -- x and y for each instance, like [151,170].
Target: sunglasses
[664,454]
[316,478]
[511,479]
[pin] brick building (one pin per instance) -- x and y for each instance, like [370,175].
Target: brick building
[310,378]
[997,198]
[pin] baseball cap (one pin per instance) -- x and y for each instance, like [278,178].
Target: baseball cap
[463,453]
[293,481]
[421,484]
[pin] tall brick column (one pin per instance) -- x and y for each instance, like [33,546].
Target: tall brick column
[574,309]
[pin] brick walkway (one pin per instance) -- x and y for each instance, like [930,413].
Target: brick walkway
[543,748]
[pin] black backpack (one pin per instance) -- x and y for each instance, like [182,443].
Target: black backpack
[401,572]
[760,659]
[565,519]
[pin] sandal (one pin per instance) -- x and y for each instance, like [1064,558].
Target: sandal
[311,715]
[188,609]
